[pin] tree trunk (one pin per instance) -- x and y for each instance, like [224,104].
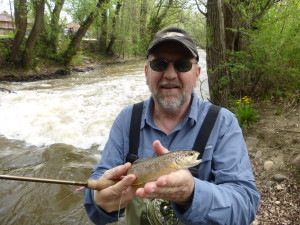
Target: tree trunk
[21,25]
[143,22]
[225,19]
[109,49]
[76,40]
[103,32]
[216,46]
[54,31]
[28,54]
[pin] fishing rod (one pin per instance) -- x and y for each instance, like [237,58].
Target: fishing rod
[90,184]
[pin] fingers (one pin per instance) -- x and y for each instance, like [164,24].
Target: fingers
[117,172]
[124,183]
[109,198]
[176,186]
[158,148]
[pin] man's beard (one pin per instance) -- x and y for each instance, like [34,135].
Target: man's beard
[178,99]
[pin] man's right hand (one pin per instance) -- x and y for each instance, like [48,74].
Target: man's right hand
[109,198]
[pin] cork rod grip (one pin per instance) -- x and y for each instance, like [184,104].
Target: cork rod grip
[100,184]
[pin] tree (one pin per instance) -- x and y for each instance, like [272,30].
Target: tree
[53,34]
[143,19]
[103,31]
[75,41]
[21,25]
[215,52]
[156,20]
[113,37]
[28,54]
[227,21]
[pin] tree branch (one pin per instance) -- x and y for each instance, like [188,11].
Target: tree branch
[199,8]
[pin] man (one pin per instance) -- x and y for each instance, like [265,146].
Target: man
[224,191]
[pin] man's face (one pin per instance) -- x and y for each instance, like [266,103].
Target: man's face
[171,88]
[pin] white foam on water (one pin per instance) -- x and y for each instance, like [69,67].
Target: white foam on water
[78,110]
[80,116]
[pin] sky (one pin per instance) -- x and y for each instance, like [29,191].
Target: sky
[4,5]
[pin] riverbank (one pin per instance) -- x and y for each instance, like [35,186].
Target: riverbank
[48,70]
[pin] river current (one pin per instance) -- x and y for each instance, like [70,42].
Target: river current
[56,129]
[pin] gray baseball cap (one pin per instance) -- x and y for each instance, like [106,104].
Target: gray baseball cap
[174,34]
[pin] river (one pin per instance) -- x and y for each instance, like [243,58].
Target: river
[57,129]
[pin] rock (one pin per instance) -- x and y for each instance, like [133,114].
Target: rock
[37,69]
[270,183]
[6,90]
[268,165]
[62,72]
[251,143]
[296,162]
[258,155]
[279,187]
[279,177]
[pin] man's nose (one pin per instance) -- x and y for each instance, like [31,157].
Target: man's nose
[170,72]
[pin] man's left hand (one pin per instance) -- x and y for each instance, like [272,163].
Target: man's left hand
[177,186]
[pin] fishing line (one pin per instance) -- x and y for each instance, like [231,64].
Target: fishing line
[67,196]
[120,204]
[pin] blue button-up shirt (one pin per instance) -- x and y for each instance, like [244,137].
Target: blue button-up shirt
[225,192]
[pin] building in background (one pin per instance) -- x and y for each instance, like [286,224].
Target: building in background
[6,24]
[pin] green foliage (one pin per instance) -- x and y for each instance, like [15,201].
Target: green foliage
[4,52]
[79,9]
[78,59]
[270,61]
[244,111]
[275,48]
[278,112]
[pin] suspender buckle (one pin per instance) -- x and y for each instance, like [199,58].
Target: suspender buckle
[131,158]
[194,171]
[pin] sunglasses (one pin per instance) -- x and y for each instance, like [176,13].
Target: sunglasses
[180,65]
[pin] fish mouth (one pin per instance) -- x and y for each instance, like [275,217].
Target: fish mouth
[189,160]
[195,159]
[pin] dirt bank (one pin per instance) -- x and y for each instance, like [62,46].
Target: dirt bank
[274,144]
[48,70]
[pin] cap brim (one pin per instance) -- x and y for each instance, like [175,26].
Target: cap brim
[155,45]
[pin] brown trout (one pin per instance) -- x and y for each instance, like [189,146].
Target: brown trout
[149,169]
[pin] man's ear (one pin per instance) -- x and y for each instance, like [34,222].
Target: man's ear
[198,71]
[146,68]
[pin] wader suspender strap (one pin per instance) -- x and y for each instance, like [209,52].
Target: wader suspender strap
[134,133]
[204,133]
[200,142]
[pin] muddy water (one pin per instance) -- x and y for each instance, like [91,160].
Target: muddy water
[56,129]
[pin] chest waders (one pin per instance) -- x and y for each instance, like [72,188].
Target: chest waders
[159,212]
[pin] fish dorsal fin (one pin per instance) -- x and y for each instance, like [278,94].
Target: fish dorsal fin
[140,160]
